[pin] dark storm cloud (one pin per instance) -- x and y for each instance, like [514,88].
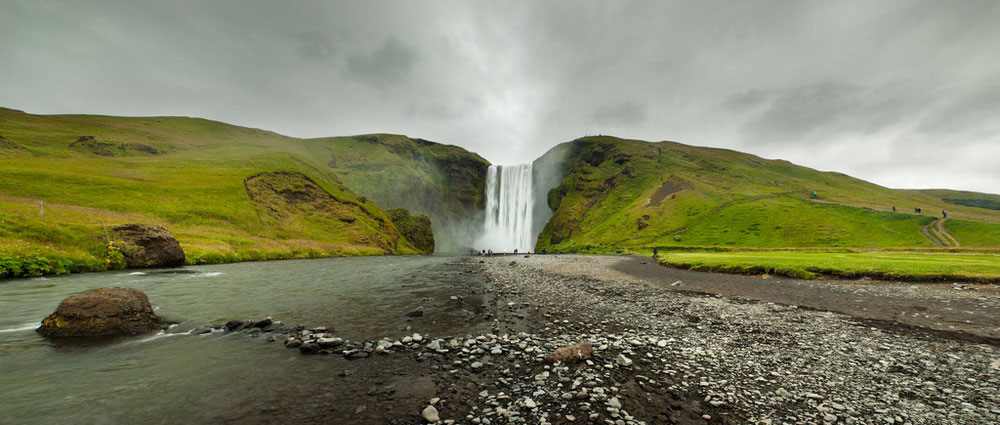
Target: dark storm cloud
[883,90]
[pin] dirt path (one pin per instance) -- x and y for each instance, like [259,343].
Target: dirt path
[926,230]
[941,231]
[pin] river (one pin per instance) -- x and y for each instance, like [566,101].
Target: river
[175,377]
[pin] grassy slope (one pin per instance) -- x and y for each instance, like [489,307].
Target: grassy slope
[726,198]
[931,266]
[973,233]
[195,189]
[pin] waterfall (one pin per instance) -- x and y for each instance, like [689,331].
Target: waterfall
[509,208]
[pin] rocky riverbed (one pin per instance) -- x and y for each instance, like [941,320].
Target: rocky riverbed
[654,355]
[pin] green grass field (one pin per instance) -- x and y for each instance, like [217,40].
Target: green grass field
[915,266]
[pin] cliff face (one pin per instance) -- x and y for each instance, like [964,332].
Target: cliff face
[444,182]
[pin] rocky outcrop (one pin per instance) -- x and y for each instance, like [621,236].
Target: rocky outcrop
[293,200]
[415,228]
[10,148]
[147,246]
[101,312]
[97,147]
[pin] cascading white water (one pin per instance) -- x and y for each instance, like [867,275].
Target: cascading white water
[509,208]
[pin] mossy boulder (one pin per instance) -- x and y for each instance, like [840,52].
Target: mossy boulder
[148,246]
[416,228]
[101,312]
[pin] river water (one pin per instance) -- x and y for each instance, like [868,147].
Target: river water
[175,377]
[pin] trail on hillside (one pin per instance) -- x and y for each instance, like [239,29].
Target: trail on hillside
[934,230]
[927,232]
[939,223]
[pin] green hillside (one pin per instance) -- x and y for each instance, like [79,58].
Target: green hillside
[611,192]
[228,193]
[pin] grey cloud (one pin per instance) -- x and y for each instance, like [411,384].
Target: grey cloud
[390,63]
[849,86]
[316,46]
[621,114]
[745,100]
[820,111]
[974,115]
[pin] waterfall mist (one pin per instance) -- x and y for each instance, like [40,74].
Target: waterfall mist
[509,209]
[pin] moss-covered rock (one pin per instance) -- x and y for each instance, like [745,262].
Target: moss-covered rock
[147,246]
[101,312]
[416,228]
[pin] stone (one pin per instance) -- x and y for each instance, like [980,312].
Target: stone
[435,344]
[614,403]
[309,348]
[417,312]
[571,353]
[144,245]
[101,312]
[233,325]
[430,414]
[329,342]
[623,361]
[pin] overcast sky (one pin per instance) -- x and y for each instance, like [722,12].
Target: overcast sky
[902,93]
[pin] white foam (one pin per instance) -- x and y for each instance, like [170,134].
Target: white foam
[208,274]
[137,274]
[21,328]
[162,334]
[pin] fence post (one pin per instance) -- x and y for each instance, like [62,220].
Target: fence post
[41,209]
[106,236]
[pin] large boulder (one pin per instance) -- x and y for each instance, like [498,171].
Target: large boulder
[144,245]
[101,312]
